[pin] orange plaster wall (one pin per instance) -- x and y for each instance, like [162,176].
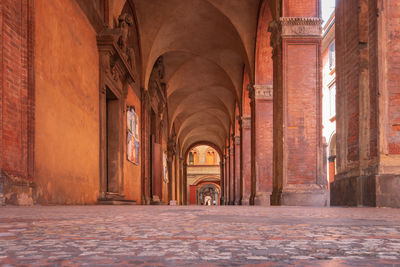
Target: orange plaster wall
[67,105]
[132,172]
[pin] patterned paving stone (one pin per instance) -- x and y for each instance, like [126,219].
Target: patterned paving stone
[198,236]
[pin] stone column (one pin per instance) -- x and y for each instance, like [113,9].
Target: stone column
[246,159]
[262,107]
[298,150]
[238,176]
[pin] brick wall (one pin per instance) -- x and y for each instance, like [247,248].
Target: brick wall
[17,98]
[16,104]
[302,115]
[357,79]
[393,81]
[301,8]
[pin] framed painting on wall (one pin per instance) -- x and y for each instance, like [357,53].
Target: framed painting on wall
[132,133]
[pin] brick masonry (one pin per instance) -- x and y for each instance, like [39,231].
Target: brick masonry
[17,101]
[367,104]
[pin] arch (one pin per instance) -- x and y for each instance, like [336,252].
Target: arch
[199,143]
[263,69]
[206,178]
[209,190]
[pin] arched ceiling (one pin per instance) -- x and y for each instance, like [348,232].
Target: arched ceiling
[205,45]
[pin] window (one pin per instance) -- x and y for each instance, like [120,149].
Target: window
[210,157]
[332,100]
[332,57]
[191,158]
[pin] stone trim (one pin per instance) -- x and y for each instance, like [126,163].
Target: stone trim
[246,122]
[237,140]
[301,26]
[263,91]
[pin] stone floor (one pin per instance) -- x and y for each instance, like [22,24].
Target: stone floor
[198,236]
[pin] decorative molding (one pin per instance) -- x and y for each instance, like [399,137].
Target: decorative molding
[246,122]
[276,39]
[250,90]
[301,26]
[237,140]
[263,91]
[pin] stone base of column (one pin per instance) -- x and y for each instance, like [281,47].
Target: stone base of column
[231,202]
[305,195]
[16,191]
[374,190]
[262,199]
[238,202]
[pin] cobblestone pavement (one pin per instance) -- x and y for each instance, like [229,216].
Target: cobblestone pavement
[198,236]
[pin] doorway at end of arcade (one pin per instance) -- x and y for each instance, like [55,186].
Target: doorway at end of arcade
[207,194]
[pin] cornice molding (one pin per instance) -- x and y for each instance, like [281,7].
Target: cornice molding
[301,27]
[263,91]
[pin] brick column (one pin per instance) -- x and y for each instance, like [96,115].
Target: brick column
[262,107]
[238,191]
[17,102]
[298,151]
[226,183]
[232,174]
[222,175]
[180,188]
[184,184]
[367,101]
[246,160]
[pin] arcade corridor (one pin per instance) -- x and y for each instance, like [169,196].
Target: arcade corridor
[207,120]
[103,100]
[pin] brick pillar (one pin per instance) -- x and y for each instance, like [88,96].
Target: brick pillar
[180,187]
[184,184]
[262,107]
[17,102]
[331,167]
[222,175]
[367,101]
[246,160]
[226,183]
[238,187]
[232,174]
[298,150]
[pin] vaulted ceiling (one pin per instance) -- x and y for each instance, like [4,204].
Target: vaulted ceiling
[206,45]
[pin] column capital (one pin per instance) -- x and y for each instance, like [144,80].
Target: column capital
[250,90]
[300,27]
[263,91]
[246,122]
[237,140]
[275,29]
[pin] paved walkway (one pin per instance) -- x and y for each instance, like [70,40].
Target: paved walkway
[198,236]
